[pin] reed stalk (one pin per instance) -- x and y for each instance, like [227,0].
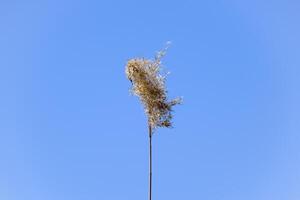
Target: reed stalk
[148,83]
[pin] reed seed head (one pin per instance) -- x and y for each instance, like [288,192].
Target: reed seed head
[148,84]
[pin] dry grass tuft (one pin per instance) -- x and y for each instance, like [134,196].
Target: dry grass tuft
[149,85]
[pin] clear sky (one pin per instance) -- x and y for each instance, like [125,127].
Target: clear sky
[69,130]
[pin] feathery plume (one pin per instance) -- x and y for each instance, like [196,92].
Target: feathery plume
[148,84]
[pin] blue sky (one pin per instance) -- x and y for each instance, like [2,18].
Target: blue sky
[71,131]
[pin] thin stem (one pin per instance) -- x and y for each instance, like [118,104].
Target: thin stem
[150,162]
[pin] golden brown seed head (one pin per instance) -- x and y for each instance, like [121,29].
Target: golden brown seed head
[149,85]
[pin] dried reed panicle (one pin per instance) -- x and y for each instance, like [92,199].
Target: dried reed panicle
[149,85]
